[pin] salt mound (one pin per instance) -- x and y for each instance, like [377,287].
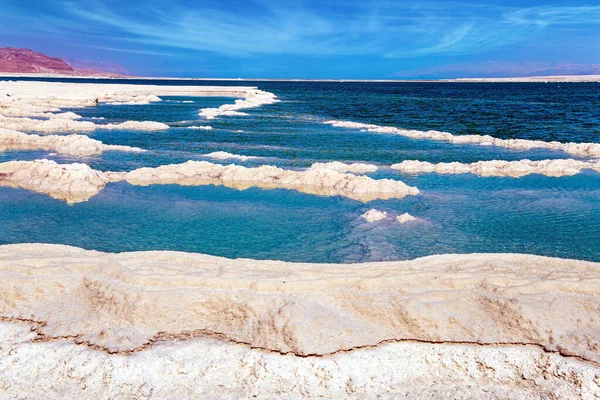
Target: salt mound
[404,218]
[357,168]
[374,215]
[72,183]
[202,127]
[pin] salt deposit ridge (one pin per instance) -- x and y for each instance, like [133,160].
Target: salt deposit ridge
[577,149]
[75,183]
[169,324]
[76,145]
[515,169]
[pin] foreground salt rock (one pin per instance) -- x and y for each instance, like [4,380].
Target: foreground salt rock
[180,325]
[78,182]
[356,168]
[324,182]
[515,169]
[578,149]
[74,145]
[72,183]
[223,155]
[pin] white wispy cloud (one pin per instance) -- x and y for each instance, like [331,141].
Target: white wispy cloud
[386,28]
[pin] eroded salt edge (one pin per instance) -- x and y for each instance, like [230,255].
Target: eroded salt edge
[579,149]
[167,319]
[78,182]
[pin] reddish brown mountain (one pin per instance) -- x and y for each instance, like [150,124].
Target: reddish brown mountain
[27,61]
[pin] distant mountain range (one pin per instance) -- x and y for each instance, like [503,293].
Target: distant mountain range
[26,61]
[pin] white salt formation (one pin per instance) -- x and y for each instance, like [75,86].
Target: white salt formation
[43,101]
[404,218]
[72,183]
[223,155]
[251,100]
[75,145]
[356,168]
[322,182]
[578,149]
[178,325]
[374,215]
[78,182]
[62,125]
[201,127]
[515,169]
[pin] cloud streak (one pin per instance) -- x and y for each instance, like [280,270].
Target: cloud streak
[283,37]
[390,29]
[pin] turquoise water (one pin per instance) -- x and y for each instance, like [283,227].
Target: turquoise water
[459,213]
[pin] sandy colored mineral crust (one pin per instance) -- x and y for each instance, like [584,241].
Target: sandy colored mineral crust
[577,149]
[251,100]
[323,182]
[515,169]
[374,215]
[78,182]
[223,155]
[355,168]
[74,145]
[72,183]
[404,218]
[169,324]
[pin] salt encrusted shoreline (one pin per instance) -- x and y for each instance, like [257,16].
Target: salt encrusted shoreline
[75,183]
[578,149]
[169,324]
[36,107]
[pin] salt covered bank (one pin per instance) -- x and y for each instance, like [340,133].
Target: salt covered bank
[84,324]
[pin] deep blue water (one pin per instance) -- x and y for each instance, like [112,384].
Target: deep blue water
[459,213]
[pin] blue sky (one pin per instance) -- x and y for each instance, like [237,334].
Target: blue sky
[370,39]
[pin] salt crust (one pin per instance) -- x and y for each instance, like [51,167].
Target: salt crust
[78,182]
[168,324]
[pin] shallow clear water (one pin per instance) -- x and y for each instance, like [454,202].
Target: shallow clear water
[459,213]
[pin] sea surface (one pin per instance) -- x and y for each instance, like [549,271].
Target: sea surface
[456,213]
